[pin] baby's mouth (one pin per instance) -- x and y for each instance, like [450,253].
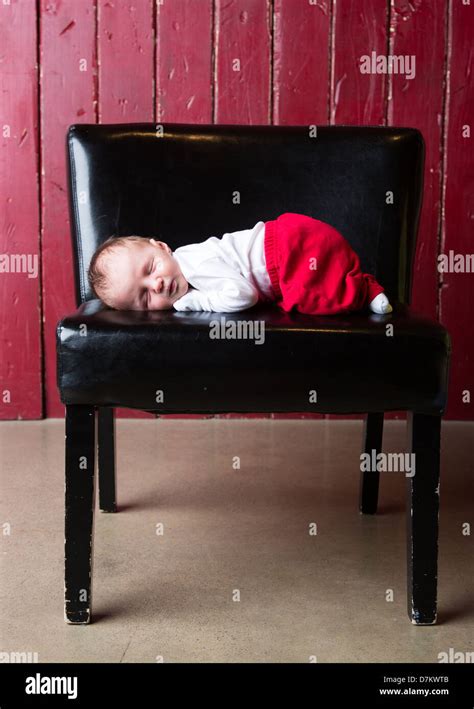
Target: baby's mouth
[172,287]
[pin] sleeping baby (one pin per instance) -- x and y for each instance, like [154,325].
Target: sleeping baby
[297,262]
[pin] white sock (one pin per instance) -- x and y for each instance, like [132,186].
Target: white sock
[380,304]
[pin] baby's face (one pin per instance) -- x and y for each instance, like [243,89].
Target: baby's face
[144,276]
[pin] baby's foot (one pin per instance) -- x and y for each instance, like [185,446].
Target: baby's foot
[380,304]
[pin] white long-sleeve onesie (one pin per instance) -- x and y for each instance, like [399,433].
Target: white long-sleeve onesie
[227,274]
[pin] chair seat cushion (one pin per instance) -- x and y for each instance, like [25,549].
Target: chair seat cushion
[258,360]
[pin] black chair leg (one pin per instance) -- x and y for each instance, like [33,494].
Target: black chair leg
[106,459]
[369,479]
[422,517]
[79,519]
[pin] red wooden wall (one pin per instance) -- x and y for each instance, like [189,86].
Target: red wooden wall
[72,61]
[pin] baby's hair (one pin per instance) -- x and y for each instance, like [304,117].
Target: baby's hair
[96,273]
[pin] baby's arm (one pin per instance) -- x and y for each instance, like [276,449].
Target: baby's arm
[216,301]
[218,288]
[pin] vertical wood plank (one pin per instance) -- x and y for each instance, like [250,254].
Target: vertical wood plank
[184,61]
[125,46]
[68,95]
[418,31]
[242,47]
[301,62]
[360,28]
[457,292]
[20,362]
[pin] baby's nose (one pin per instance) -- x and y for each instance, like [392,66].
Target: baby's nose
[158,285]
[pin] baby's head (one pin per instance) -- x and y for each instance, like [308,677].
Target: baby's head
[136,273]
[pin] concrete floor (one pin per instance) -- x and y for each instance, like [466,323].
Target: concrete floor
[227,530]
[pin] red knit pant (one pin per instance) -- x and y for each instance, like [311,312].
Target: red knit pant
[313,269]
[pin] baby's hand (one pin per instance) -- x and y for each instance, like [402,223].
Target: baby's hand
[380,304]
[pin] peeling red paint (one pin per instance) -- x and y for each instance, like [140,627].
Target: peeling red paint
[20,346]
[184,81]
[52,8]
[125,74]
[407,105]
[63,88]
[456,293]
[68,27]
[242,64]
[300,44]
[23,138]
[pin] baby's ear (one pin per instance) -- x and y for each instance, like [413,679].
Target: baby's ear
[161,244]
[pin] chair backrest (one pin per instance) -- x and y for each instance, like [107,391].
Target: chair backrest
[182,183]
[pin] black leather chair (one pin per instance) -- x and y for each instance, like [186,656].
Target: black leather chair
[187,182]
